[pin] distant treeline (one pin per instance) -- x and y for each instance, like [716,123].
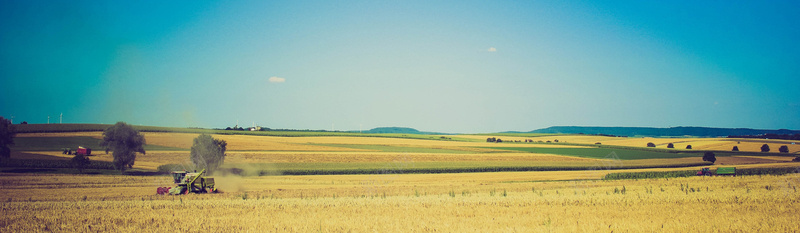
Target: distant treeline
[769,136]
[662,132]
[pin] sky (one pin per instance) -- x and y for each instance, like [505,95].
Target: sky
[441,66]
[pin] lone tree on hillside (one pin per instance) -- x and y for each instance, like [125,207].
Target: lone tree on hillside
[123,141]
[709,156]
[765,148]
[650,144]
[688,147]
[784,149]
[208,152]
[735,148]
[6,137]
[670,145]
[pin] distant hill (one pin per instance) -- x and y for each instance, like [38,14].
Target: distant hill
[396,130]
[662,132]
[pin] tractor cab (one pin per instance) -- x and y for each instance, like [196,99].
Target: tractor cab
[178,176]
[704,172]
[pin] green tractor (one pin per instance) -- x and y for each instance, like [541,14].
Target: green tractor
[720,171]
[189,182]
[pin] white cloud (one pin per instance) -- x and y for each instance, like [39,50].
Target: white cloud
[492,49]
[275,79]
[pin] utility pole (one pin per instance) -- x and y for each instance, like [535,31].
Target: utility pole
[12,119]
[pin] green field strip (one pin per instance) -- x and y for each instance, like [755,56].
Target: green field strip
[600,153]
[59,143]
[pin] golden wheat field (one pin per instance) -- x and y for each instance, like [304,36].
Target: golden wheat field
[114,203]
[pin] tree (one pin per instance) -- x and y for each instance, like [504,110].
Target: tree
[765,148]
[6,137]
[208,152]
[735,148]
[784,149]
[709,156]
[688,147]
[650,144]
[670,145]
[123,141]
[80,162]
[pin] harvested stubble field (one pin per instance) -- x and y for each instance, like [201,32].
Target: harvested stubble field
[466,202]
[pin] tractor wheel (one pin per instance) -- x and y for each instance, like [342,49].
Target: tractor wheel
[708,174]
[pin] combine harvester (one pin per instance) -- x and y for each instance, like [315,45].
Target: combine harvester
[189,182]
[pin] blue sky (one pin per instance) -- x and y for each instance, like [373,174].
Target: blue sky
[445,66]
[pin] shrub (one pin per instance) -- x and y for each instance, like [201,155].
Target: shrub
[765,148]
[710,157]
[670,145]
[80,162]
[784,149]
[650,144]
[688,147]
[735,148]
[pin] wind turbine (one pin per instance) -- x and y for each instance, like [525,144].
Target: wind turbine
[60,117]
[48,119]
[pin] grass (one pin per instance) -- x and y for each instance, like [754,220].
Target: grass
[599,153]
[59,143]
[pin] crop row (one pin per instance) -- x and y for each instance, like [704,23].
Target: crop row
[673,174]
[333,170]
[42,163]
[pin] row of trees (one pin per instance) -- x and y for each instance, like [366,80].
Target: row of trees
[782,149]
[764,148]
[670,145]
